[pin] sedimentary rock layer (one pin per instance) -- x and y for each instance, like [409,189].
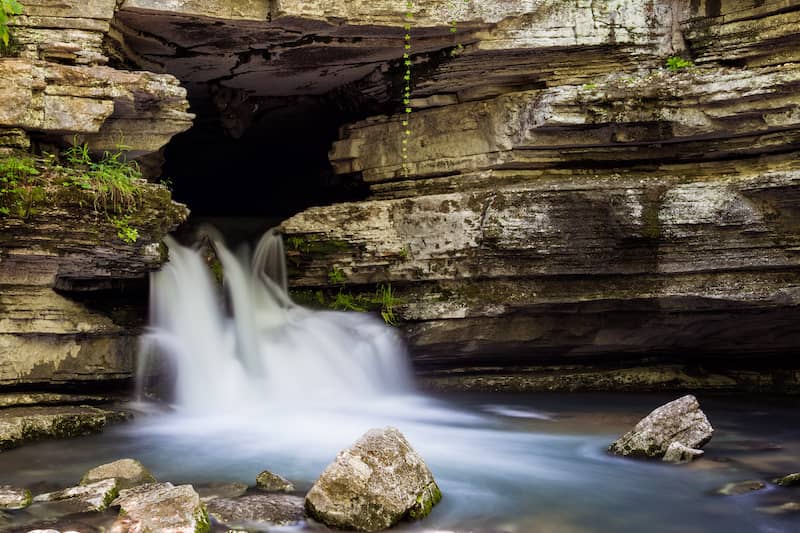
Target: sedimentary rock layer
[571,228]
[46,337]
[568,199]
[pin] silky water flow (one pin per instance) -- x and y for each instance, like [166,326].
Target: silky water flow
[260,382]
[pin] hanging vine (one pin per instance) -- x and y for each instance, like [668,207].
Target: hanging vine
[409,18]
[455,8]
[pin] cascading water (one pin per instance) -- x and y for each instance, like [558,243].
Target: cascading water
[261,347]
[263,383]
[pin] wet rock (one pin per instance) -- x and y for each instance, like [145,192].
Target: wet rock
[270,482]
[127,472]
[23,424]
[373,485]
[221,490]
[788,481]
[679,421]
[741,487]
[160,507]
[263,509]
[82,499]
[677,453]
[25,399]
[12,498]
[788,507]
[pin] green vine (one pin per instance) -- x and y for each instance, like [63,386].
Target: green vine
[407,74]
[454,25]
[409,18]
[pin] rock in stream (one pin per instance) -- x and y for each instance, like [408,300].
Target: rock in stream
[128,472]
[12,498]
[373,485]
[160,507]
[680,421]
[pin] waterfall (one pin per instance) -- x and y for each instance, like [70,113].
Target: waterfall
[244,344]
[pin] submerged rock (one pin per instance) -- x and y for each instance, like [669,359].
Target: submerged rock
[268,481]
[373,485]
[127,472]
[160,507]
[221,490]
[24,424]
[94,497]
[677,453]
[273,509]
[679,421]
[788,481]
[788,507]
[12,498]
[741,487]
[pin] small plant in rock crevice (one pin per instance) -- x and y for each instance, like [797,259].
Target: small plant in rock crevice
[113,179]
[383,301]
[676,63]
[346,302]
[125,232]
[111,185]
[385,297]
[337,276]
[18,190]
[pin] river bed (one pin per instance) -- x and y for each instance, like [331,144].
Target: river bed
[505,463]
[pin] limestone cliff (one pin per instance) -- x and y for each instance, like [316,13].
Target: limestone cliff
[62,245]
[574,209]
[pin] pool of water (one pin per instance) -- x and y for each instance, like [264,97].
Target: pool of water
[505,463]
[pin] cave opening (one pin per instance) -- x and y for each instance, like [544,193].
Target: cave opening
[245,168]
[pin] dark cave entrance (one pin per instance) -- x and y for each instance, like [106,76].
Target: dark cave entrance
[249,167]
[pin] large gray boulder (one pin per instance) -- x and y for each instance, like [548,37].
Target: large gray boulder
[128,472]
[373,485]
[160,507]
[680,421]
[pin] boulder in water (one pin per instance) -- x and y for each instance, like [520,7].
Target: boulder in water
[221,490]
[741,487]
[160,507]
[12,498]
[93,497]
[270,482]
[373,485]
[788,481]
[261,509]
[128,472]
[677,453]
[679,421]
[785,508]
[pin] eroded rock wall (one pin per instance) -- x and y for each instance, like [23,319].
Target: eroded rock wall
[575,211]
[60,244]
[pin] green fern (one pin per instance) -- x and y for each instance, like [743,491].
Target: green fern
[675,63]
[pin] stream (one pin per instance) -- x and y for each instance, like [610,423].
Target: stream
[505,463]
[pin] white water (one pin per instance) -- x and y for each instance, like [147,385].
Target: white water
[261,383]
[249,346]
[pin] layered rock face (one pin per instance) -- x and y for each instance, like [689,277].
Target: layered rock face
[573,215]
[60,244]
[574,207]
